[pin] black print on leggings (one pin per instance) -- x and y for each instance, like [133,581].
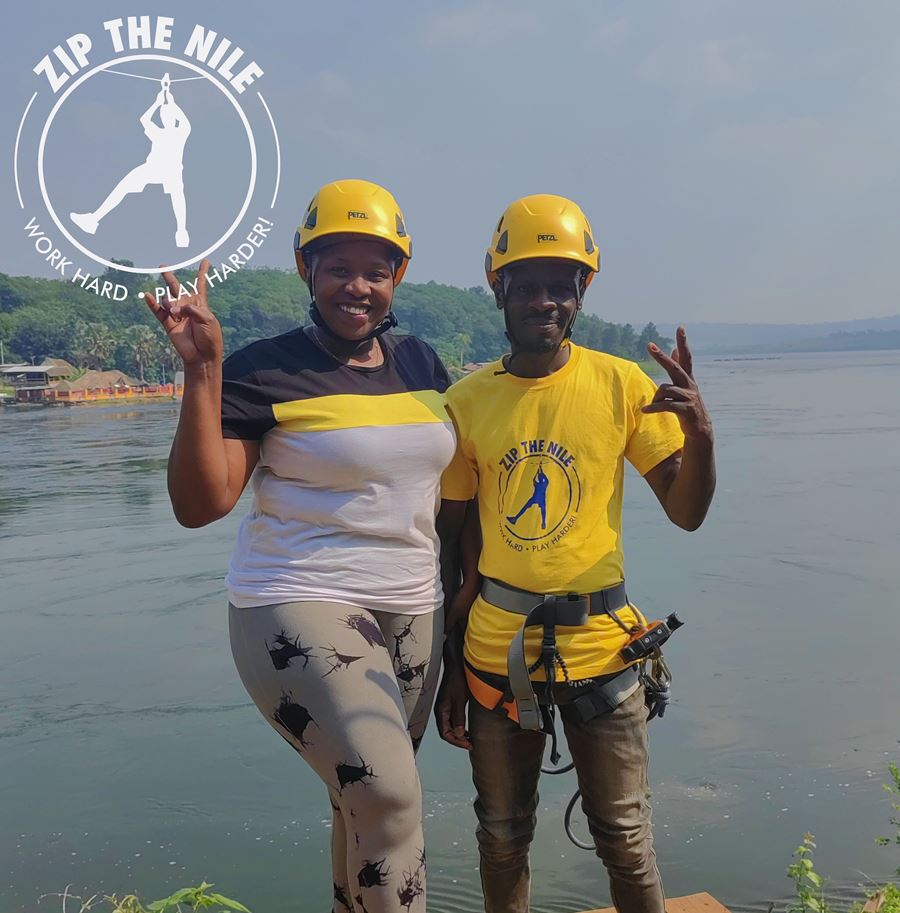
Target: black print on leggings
[408,674]
[373,874]
[340,897]
[370,631]
[402,668]
[413,885]
[348,774]
[411,889]
[399,638]
[293,717]
[399,661]
[338,660]
[287,650]
[360,904]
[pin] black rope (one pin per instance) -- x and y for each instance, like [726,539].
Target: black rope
[570,808]
[570,833]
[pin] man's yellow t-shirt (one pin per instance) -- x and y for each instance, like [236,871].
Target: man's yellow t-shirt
[546,459]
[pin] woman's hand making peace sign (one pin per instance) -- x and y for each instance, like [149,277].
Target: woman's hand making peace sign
[682,396]
[191,326]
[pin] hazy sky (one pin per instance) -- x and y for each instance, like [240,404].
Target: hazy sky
[738,161]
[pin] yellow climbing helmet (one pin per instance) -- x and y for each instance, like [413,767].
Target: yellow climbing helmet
[354,207]
[542,225]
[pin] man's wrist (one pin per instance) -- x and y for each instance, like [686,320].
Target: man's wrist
[203,371]
[453,651]
[471,587]
[700,439]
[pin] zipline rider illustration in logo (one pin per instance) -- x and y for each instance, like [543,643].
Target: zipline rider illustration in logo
[538,497]
[163,165]
[539,474]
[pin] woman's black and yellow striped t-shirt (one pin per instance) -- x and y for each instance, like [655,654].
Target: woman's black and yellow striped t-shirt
[348,481]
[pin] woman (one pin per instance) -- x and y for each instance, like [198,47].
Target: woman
[335,601]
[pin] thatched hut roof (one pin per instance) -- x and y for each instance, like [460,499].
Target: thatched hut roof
[58,367]
[98,380]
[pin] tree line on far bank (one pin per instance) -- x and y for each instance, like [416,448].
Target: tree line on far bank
[53,318]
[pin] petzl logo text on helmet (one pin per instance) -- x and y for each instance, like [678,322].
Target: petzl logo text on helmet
[357,214]
[546,238]
[153,145]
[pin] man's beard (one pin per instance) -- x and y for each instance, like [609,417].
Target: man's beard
[540,346]
[534,345]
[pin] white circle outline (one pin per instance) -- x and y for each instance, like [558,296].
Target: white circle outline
[165,59]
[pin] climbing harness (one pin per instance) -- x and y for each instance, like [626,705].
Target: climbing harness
[647,668]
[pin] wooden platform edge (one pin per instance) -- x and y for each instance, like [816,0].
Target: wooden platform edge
[692,903]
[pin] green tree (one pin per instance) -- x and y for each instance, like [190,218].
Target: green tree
[7,327]
[165,356]
[627,341]
[94,345]
[131,281]
[648,334]
[10,296]
[611,338]
[141,343]
[39,333]
[453,350]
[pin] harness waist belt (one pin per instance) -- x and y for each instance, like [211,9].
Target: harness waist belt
[577,606]
[549,610]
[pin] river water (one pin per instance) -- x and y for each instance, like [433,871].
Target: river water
[132,759]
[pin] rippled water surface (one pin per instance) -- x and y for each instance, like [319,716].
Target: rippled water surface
[131,758]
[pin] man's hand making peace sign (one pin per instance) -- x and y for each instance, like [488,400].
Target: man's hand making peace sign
[682,396]
[685,482]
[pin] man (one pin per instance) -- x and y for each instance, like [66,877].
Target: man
[550,425]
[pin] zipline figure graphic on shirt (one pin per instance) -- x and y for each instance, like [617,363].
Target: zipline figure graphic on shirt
[163,165]
[538,496]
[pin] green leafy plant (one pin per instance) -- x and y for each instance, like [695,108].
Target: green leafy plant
[183,900]
[891,900]
[808,883]
[894,791]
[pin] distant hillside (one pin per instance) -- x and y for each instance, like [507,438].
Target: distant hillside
[40,317]
[872,340]
[737,338]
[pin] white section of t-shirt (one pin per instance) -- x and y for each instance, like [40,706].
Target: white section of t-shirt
[346,516]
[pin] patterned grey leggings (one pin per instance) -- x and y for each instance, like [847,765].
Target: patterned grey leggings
[351,691]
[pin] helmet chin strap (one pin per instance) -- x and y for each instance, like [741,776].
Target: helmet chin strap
[342,345]
[580,286]
[350,345]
